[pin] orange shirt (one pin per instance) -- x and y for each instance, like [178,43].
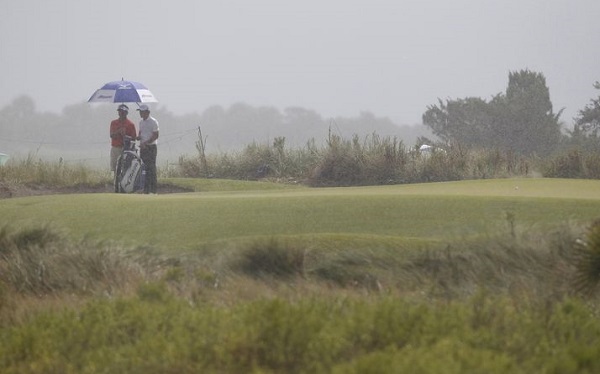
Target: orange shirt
[129,130]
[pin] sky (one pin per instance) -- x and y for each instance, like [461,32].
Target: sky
[392,58]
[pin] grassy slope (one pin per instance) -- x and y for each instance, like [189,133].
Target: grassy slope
[424,212]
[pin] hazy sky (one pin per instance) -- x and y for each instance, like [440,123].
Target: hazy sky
[338,57]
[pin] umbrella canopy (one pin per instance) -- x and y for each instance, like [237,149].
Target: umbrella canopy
[123,92]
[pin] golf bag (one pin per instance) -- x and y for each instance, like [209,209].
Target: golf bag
[130,171]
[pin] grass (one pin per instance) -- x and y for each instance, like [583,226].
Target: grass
[429,212]
[460,277]
[206,185]
[158,334]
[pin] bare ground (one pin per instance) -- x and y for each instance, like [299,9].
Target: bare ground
[8,191]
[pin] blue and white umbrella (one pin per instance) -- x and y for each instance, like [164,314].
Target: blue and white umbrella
[123,92]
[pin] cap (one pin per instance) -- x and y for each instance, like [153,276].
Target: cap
[123,107]
[143,108]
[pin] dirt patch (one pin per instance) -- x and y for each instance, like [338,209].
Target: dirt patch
[7,191]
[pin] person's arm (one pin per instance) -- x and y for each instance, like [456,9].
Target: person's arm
[153,137]
[116,131]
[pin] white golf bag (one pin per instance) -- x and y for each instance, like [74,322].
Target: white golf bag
[130,173]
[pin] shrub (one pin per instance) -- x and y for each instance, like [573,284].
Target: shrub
[568,165]
[373,160]
[272,259]
[587,278]
[40,261]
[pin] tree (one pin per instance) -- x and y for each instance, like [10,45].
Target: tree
[588,120]
[463,120]
[529,125]
[520,120]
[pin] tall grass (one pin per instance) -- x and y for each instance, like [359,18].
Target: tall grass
[41,261]
[155,334]
[41,173]
[372,160]
[506,302]
[540,265]
[574,163]
[253,162]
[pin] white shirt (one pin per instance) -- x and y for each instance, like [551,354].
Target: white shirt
[147,127]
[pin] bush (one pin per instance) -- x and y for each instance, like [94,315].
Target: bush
[373,160]
[269,258]
[40,261]
[587,278]
[568,165]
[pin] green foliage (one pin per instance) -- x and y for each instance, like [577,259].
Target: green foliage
[498,303]
[568,165]
[588,121]
[533,127]
[574,163]
[340,335]
[587,279]
[520,121]
[154,292]
[464,120]
[372,160]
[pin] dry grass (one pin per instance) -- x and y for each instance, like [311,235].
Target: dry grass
[42,264]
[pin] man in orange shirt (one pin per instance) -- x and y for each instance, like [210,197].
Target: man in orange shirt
[119,128]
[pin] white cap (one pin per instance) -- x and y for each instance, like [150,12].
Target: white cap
[143,108]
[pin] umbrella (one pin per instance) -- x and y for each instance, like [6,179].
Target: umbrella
[123,92]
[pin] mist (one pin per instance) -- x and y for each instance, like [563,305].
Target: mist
[80,133]
[336,59]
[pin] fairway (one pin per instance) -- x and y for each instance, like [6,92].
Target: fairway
[418,212]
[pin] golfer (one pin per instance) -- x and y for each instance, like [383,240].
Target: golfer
[147,137]
[119,128]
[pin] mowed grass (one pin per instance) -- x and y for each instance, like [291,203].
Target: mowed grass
[423,213]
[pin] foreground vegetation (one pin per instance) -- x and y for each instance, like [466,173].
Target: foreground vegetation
[519,303]
[496,276]
[150,334]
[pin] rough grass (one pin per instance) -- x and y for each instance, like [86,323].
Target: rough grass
[516,293]
[154,333]
[543,264]
[34,171]
[269,305]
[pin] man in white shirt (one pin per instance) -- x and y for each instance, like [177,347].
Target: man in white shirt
[148,135]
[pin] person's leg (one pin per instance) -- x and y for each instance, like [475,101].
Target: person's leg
[153,174]
[148,155]
[115,152]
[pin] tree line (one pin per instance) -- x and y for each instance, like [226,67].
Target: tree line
[520,120]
